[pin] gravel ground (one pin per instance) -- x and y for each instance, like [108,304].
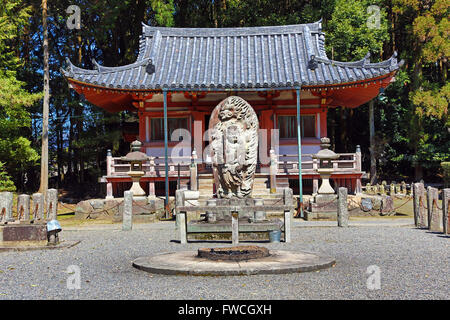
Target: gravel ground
[414,264]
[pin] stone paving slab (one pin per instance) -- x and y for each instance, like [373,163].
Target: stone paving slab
[188,263]
[61,245]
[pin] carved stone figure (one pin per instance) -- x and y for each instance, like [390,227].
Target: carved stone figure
[234,147]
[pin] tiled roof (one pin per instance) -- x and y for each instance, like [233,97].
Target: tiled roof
[277,56]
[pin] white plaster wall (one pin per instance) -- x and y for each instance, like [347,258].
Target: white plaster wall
[292,149]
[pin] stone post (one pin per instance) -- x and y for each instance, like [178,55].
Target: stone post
[434,214]
[273,170]
[109,188]
[151,172]
[420,216]
[193,171]
[6,206]
[403,188]
[358,165]
[38,207]
[127,220]
[23,207]
[288,201]
[342,211]
[381,189]
[392,190]
[52,204]
[235,227]
[181,216]
[445,206]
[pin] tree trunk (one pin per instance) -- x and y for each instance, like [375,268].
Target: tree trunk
[44,157]
[373,159]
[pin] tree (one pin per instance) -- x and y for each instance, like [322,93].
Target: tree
[15,149]
[6,184]
[45,109]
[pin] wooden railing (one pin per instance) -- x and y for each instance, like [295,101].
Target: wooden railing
[285,164]
[154,167]
[347,162]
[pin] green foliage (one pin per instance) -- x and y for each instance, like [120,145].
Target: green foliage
[446,169]
[6,184]
[15,150]
[348,35]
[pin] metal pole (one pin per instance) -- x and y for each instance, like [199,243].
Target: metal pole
[299,141]
[166,159]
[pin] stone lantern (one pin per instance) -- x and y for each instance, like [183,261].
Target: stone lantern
[323,204]
[136,158]
[325,168]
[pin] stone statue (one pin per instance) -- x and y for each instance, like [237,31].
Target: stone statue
[234,147]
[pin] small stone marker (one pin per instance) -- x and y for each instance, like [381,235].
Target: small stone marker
[342,211]
[420,215]
[387,206]
[38,206]
[445,214]
[434,214]
[403,188]
[193,176]
[127,221]
[23,207]
[288,201]
[181,216]
[6,206]
[52,204]
[381,189]
[392,189]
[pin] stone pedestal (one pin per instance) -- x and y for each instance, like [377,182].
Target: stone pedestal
[325,187]
[322,206]
[136,187]
[23,235]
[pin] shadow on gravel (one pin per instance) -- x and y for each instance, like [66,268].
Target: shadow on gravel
[223,241]
[434,232]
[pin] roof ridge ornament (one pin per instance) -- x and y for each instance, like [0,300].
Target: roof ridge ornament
[150,67]
[312,63]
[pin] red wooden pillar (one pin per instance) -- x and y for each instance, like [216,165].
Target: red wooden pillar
[141,124]
[323,122]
